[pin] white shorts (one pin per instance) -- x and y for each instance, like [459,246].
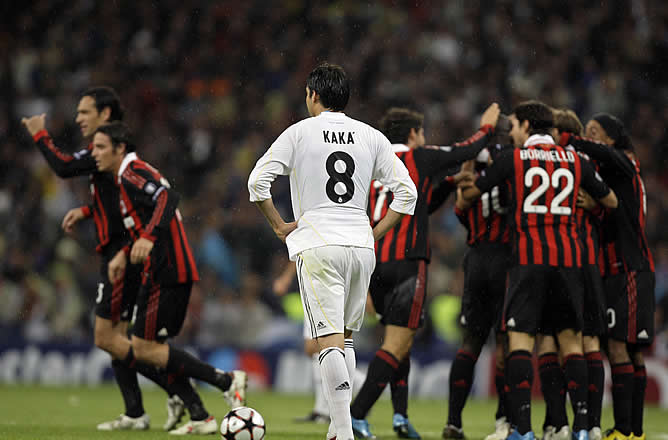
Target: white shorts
[333,282]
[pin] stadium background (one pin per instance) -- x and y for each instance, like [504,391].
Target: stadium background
[208,85]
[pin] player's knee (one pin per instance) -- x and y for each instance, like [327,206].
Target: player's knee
[617,351]
[143,350]
[103,339]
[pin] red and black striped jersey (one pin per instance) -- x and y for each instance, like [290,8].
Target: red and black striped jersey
[111,235]
[410,238]
[545,179]
[149,209]
[486,221]
[588,224]
[624,243]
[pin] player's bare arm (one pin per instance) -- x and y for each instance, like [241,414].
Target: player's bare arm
[609,201]
[140,250]
[72,218]
[280,227]
[585,201]
[388,222]
[490,115]
[35,124]
[282,283]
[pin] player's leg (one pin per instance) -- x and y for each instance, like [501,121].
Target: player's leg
[322,281]
[621,367]
[595,326]
[527,291]
[567,303]
[644,283]
[320,411]
[502,416]
[553,386]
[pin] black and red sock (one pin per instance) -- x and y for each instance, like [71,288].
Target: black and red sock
[575,373]
[126,377]
[499,383]
[553,386]
[622,396]
[461,379]
[639,386]
[382,369]
[399,387]
[181,362]
[519,374]
[180,385]
[596,378]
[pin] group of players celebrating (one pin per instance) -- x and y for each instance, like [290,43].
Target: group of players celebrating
[558,257]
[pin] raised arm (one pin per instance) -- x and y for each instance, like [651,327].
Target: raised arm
[65,165]
[609,157]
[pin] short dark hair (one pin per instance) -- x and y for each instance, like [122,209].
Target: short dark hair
[539,115]
[397,122]
[119,133]
[565,120]
[106,97]
[501,134]
[331,83]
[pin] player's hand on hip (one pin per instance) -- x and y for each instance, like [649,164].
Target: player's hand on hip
[585,201]
[116,267]
[282,231]
[71,219]
[35,124]
[491,115]
[140,250]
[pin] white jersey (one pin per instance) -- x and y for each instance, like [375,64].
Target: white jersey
[331,160]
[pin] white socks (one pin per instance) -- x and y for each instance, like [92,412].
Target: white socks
[351,361]
[338,390]
[320,406]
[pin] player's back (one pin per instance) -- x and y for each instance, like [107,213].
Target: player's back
[546,182]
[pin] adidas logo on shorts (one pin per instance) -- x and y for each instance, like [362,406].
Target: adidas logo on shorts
[511,322]
[344,386]
[321,325]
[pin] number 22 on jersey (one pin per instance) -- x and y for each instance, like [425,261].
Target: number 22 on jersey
[530,207]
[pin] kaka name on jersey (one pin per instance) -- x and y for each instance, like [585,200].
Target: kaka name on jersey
[338,137]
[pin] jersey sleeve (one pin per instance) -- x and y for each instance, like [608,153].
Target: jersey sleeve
[431,160]
[441,193]
[64,164]
[277,161]
[496,173]
[152,192]
[609,157]
[390,171]
[592,182]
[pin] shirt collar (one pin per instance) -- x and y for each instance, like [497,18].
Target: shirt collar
[126,161]
[537,139]
[331,114]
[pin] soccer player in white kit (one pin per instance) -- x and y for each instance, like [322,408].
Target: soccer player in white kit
[331,160]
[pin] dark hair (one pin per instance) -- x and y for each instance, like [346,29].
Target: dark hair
[539,115]
[119,133]
[106,97]
[397,122]
[501,134]
[565,120]
[330,82]
[614,128]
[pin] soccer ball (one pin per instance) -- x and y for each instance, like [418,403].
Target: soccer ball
[242,423]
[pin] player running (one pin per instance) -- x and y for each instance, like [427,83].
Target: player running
[331,160]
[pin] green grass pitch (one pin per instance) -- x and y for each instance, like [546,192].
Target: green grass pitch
[41,413]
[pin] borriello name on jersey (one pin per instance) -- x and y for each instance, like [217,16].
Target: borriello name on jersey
[338,137]
[551,155]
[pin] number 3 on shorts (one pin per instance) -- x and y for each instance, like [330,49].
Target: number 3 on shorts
[100,291]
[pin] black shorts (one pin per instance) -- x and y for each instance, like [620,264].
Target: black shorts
[485,280]
[630,300]
[398,290]
[594,302]
[116,301]
[160,311]
[544,299]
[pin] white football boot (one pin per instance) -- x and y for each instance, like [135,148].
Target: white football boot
[501,430]
[563,434]
[236,395]
[125,423]
[201,427]
[595,433]
[175,411]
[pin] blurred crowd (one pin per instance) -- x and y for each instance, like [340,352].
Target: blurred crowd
[208,85]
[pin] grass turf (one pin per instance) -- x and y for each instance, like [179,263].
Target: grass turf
[28,412]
